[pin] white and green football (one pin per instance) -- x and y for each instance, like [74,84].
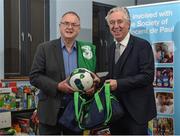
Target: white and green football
[81,79]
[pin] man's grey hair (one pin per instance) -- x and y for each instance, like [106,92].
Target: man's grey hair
[116,9]
[71,12]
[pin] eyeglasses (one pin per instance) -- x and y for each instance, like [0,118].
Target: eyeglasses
[67,24]
[113,22]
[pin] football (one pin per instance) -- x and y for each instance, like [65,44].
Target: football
[81,79]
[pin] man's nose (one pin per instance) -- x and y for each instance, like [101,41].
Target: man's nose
[116,24]
[69,25]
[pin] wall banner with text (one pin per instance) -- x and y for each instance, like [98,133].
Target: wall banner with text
[160,25]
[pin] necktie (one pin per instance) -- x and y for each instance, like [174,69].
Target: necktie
[117,52]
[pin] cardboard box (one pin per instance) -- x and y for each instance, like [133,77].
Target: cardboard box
[5,119]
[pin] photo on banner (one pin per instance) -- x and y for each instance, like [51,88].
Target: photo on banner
[163,52]
[164,102]
[164,77]
[163,126]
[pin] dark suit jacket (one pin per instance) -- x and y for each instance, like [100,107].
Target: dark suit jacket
[134,72]
[47,71]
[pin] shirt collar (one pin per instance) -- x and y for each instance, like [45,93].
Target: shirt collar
[63,44]
[125,41]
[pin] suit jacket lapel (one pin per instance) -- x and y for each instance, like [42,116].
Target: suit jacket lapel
[125,54]
[59,57]
[111,53]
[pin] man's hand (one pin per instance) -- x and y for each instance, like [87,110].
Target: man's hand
[90,91]
[96,81]
[113,84]
[65,87]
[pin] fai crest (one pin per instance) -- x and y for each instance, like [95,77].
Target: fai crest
[87,52]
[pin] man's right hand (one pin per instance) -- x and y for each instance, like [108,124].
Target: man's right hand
[63,86]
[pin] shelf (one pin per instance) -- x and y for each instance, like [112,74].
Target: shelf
[14,79]
[23,110]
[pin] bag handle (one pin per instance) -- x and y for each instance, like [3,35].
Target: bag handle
[76,103]
[98,101]
[108,102]
[78,111]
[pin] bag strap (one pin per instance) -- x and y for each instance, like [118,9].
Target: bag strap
[108,102]
[78,111]
[98,101]
[76,103]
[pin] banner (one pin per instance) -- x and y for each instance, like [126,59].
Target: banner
[160,25]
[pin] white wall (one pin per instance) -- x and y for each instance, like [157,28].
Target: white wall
[2,39]
[81,7]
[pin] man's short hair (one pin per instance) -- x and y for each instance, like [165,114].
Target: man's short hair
[71,12]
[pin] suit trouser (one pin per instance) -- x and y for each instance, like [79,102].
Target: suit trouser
[128,126]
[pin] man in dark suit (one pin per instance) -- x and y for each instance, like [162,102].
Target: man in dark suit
[131,74]
[53,63]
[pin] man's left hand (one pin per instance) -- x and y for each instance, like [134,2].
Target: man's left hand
[113,84]
[96,81]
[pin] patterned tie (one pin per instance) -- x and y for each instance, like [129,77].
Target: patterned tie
[117,52]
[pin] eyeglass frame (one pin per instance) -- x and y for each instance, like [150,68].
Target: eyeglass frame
[67,24]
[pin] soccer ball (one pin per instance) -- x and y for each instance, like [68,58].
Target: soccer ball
[81,79]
